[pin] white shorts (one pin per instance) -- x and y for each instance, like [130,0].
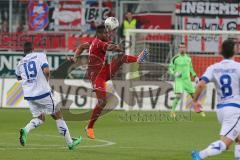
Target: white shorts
[229,117]
[46,105]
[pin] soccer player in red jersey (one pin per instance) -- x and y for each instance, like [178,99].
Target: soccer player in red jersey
[99,72]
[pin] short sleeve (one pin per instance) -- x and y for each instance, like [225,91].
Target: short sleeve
[208,75]
[43,60]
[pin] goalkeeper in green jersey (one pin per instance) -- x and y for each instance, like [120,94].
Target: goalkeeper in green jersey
[181,68]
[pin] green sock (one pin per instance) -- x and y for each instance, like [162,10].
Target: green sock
[175,102]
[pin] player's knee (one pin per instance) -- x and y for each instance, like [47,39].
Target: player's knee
[238,140]
[54,117]
[227,141]
[42,117]
[57,115]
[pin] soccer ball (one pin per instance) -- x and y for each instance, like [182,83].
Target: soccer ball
[111,23]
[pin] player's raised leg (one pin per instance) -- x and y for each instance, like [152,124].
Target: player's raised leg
[115,64]
[121,59]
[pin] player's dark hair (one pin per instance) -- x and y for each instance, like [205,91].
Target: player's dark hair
[228,48]
[27,47]
[100,29]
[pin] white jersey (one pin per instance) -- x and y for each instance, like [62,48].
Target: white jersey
[34,83]
[226,76]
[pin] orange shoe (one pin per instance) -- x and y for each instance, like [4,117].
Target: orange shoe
[90,133]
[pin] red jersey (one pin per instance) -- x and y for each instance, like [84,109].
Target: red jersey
[97,56]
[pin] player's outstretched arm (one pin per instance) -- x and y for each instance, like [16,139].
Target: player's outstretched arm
[114,47]
[46,72]
[200,87]
[19,78]
[79,51]
[81,48]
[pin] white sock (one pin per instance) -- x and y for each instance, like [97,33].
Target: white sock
[34,123]
[237,152]
[63,130]
[213,149]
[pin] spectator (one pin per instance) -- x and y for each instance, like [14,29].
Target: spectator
[4,28]
[20,27]
[129,23]
[4,10]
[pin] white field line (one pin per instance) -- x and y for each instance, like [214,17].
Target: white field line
[105,143]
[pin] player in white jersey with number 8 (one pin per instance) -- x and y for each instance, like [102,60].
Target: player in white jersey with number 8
[226,77]
[34,72]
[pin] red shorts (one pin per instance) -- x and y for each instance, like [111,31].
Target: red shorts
[100,75]
[98,81]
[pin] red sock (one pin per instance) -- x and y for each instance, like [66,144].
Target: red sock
[129,59]
[94,116]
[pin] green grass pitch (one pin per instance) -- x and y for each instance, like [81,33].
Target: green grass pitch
[117,138]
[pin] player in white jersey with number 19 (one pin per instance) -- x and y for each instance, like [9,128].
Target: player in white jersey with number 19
[226,77]
[34,72]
